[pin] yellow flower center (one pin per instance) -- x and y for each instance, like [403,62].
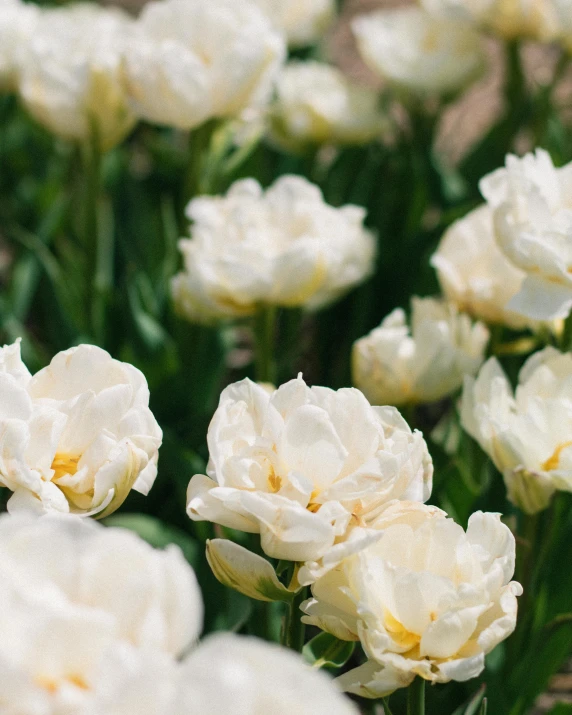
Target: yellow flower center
[553,461]
[274,481]
[63,465]
[52,685]
[400,634]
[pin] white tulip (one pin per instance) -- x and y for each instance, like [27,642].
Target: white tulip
[399,365]
[194,60]
[419,53]
[69,74]
[17,24]
[316,103]
[426,599]
[508,18]
[532,201]
[302,21]
[306,468]
[527,433]
[86,610]
[283,246]
[475,274]
[78,436]
[247,676]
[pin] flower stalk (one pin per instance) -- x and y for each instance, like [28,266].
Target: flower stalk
[294,629]
[416,697]
[264,332]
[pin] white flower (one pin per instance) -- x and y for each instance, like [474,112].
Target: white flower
[398,365]
[247,676]
[532,212]
[194,60]
[426,599]
[528,433]
[316,103]
[85,610]
[69,74]
[283,246]
[306,468]
[17,24]
[78,436]
[509,18]
[475,274]
[302,21]
[419,53]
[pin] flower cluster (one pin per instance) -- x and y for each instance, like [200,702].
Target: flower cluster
[337,486]
[78,435]
[95,621]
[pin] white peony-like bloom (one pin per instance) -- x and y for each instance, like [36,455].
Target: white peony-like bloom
[419,53]
[78,435]
[527,433]
[531,201]
[426,599]
[302,21]
[17,25]
[88,613]
[247,676]
[69,73]
[475,274]
[307,468]
[317,103]
[508,18]
[283,246]
[194,60]
[399,365]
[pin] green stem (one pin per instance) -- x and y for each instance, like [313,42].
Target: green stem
[566,337]
[94,304]
[199,177]
[416,697]
[294,630]
[264,330]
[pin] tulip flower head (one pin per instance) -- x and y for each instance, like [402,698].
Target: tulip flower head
[305,467]
[78,435]
[284,246]
[531,201]
[427,599]
[194,60]
[527,433]
[399,365]
[418,53]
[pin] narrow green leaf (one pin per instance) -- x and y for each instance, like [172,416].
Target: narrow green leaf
[327,650]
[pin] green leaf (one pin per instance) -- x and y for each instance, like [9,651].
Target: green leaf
[327,650]
[561,709]
[156,533]
[475,704]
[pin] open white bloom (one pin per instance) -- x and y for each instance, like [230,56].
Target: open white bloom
[17,24]
[532,212]
[86,609]
[302,21]
[399,365]
[194,60]
[283,246]
[426,599]
[527,433]
[418,52]
[69,73]
[475,274]
[247,676]
[78,435]
[306,467]
[317,103]
[508,18]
